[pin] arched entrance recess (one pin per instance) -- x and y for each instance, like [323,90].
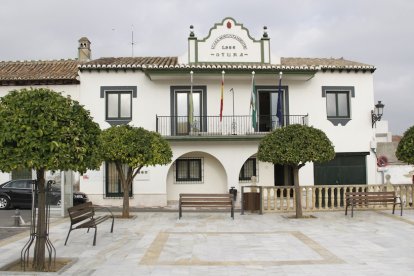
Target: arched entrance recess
[195,172]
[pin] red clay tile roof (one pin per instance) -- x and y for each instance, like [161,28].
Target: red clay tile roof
[322,62]
[132,61]
[17,71]
[172,63]
[66,71]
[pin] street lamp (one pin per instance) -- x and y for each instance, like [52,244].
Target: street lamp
[377,113]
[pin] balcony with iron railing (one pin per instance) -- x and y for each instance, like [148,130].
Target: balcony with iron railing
[227,126]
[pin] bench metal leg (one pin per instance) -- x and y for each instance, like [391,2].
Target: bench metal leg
[94,236]
[232,212]
[179,210]
[346,209]
[67,237]
[352,210]
[112,227]
[401,208]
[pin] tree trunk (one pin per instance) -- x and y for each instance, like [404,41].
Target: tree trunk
[40,245]
[298,192]
[125,204]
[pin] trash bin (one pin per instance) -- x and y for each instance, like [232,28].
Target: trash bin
[251,201]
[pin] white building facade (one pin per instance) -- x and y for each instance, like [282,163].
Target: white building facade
[215,150]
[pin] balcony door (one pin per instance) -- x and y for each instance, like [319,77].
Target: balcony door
[181,110]
[267,108]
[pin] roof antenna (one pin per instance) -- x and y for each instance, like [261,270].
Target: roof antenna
[132,40]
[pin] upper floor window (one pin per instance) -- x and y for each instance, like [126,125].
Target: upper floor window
[338,103]
[118,103]
[183,120]
[271,112]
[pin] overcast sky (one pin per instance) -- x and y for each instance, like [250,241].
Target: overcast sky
[376,32]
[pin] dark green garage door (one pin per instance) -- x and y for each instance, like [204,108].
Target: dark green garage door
[345,168]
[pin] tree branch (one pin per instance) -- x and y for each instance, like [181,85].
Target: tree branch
[137,171]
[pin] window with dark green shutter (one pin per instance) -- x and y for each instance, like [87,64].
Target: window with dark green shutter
[113,184]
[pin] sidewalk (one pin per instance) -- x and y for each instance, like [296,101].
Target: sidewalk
[157,243]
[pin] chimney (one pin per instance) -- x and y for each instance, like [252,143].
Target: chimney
[84,49]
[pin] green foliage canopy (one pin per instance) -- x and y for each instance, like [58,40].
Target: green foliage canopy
[41,129]
[134,146]
[405,149]
[295,145]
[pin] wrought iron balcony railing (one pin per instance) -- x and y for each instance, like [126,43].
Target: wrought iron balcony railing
[228,125]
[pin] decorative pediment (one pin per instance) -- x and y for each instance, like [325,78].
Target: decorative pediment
[229,42]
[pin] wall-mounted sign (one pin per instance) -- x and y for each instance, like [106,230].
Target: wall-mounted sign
[229,41]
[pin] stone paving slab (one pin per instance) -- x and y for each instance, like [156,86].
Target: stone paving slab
[157,243]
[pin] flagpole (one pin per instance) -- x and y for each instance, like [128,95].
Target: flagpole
[279,107]
[191,107]
[253,103]
[221,100]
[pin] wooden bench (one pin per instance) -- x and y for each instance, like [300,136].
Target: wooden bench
[371,198]
[83,216]
[206,200]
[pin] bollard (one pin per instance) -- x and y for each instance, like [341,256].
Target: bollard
[17,217]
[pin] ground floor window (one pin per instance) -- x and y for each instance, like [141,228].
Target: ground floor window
[113,184]
[21,174]
[344,169]
[188,170]
[248,170]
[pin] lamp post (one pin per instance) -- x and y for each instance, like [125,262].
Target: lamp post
[377,113]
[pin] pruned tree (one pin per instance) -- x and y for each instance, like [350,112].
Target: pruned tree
[405,149]
[42,130]
[135,148]
[295,145]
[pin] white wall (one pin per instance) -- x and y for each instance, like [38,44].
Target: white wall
[397,174]
[227,157]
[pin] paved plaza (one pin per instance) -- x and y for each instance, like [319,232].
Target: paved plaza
[203,243]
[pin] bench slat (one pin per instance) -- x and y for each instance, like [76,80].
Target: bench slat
[206,203]
[206,200]
[93,223]
[206,196]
